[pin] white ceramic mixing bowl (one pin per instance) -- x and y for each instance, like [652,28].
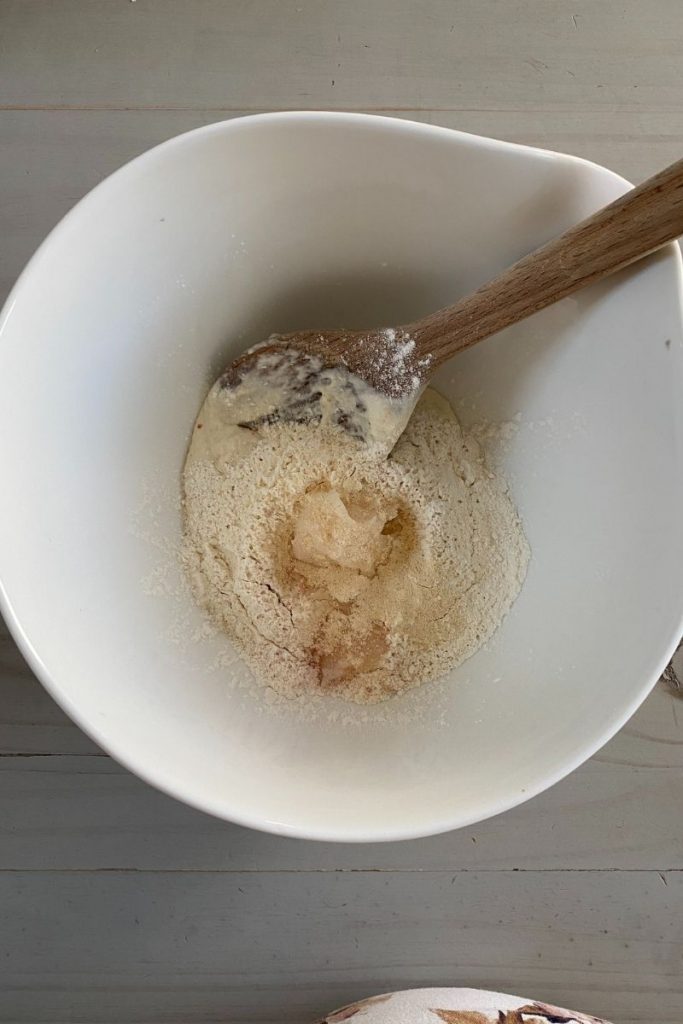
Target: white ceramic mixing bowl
[210,242]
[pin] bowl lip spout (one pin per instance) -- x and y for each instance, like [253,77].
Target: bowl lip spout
[156,776]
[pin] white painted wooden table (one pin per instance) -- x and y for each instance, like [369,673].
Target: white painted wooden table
[116,903]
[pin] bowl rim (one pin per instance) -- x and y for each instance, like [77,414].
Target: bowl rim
[220,807]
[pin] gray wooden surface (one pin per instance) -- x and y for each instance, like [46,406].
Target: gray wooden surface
[119,905]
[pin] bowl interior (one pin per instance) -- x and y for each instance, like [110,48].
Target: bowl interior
[207,244]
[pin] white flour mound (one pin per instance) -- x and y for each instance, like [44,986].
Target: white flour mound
[334,570]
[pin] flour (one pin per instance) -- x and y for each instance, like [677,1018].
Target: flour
[336,570]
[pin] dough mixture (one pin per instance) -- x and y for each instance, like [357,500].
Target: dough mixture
[337,569]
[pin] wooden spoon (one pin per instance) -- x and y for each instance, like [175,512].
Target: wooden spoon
[397,362]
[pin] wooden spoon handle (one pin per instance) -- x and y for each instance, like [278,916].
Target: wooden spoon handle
[636,224]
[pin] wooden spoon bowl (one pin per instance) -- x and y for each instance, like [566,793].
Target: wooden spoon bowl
[397,362]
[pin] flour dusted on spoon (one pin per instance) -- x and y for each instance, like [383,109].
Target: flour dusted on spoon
[278,382]
[334,566]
